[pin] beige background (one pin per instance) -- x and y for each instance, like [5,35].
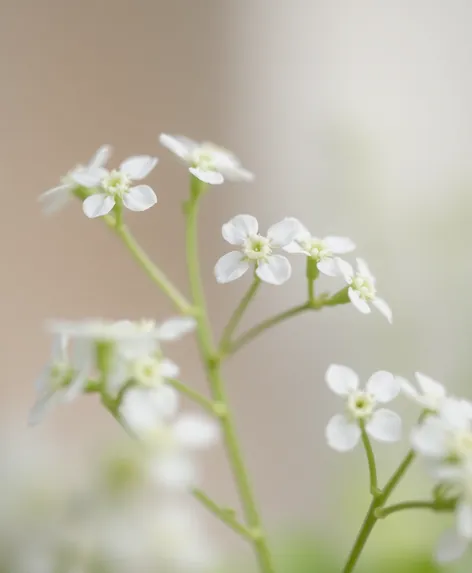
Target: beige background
[355,116]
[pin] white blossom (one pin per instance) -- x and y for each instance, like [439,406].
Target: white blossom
[362,289]
[89,176]
[208,162]
[256,249]
[430,394]
[117,185]
[63,379]
[322,251]
[344,430]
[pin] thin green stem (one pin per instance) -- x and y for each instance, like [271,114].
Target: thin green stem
[195,396]
[434,505]
[238,314]
[397,476]
[213,368]
[371,462]
[153,272]
[255,331]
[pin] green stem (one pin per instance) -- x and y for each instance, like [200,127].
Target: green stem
[371,462]
[434,505]
[371,518]
[238,314]
[217,386]
[255,331]
[193,395]
[154,273]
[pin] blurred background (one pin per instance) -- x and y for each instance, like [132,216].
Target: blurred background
[356,118]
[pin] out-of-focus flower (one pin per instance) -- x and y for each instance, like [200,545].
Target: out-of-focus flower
[207,162]
[242,231]
[344,430]
[63,379]
[431,394]
[116,185]
[322,251]
[88,176]
[362,289]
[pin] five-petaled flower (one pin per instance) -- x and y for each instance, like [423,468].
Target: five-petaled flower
[88,176]
[431,394]
[116,185]
[322,251]
[208,162]
[242,231]
[344,430]
[361,288]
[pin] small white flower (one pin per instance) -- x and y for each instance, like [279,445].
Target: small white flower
[117,185]
[362,289]
[431,394]
[322,251]
[63,379]
[88,176]
[344,430]
[447,437]
[242,231]
[171,443]
[209,163]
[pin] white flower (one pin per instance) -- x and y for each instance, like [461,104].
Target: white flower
[242,231]
[207,162]
[344,430]
[431,393]
[447,437]
[362,288]
[62,380]
[171,443]
[117,185]
[320,250]
[54,199]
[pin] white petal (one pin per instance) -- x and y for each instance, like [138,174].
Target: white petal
[408,389]
[178,144]
[455,414]
[294,248]
[230,267]
[169,369]
[139,198]
[430,438]
[101,156]
[88,177]
[385,426]
[342,434]
[196,432]
[139,166]
[346,270]
[341,379]
[275,271]
[55,199]
[210,177]
[43,404]
[383,386]
[363,269]
[283,232]
[98,205]
[464,519]
[239,228]
[358,302]
[143,409]
[77,385]
[176,472]
[429,386]
[175,328]
[339,245]
[383,308]
[450,547]
[329,267]
[236,173]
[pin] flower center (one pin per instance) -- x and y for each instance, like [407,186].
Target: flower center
[360,405]
[60,375]
[461,446]
[146,371]
[204,159]
[364,286]
[317,249]
[116,183]
[162,438]
[257,248]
